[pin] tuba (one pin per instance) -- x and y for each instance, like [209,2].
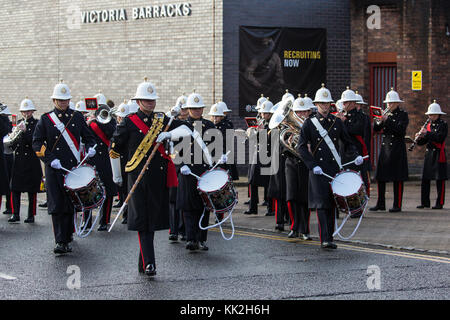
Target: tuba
[289,124]
[11,139]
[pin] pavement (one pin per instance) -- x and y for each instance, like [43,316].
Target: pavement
[415,229]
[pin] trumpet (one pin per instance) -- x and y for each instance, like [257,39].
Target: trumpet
[411,148]
[386,111]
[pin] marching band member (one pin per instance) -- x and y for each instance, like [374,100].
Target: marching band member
[323,132]
[122,112]
[103,126]
[367,137]
[225,125]
[255,178]
[80,106]
[355,123]
[176,219]
[56,141]
[433,134]
[148,207]
[392,161]
[188,199]
[5,159]
[26,171]
[297,177]
[277,181]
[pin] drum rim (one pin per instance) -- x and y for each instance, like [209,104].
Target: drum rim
[90,182]
[223,186]
[341,172]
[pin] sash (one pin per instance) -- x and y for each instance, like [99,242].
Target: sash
[94,126]
[324,134]
[151,134]
[440,146]
[364,147]
[67,135]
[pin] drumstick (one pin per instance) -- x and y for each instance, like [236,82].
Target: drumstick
[141,175]
[85,157]
[70,171]
[195,175]
[346,164]
[218,162]
[328,176]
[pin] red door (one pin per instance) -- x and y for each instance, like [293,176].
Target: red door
[383,77]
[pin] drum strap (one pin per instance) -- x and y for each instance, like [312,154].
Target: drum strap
[67,135]
[326,138]
[99,132]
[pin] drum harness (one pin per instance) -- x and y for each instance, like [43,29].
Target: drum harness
[330,144]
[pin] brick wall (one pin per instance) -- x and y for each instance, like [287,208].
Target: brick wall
[415,32]
[175,53]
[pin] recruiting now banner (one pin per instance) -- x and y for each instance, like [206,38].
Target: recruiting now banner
[273,60]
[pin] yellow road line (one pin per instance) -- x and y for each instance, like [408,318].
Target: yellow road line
[345,246]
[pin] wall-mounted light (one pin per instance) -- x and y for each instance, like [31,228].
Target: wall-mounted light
[447,31]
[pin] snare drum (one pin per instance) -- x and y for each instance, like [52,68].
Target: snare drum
[349,193]
[217,190]
[84,188]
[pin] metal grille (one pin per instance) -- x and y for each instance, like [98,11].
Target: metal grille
[383,77]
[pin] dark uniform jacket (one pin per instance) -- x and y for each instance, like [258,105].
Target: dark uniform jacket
[297,177]
[101,159]
[254,173]
[319,190]
[392,162]
[5,128]
[46,134]
[435,164]
[148,207]
[223,126]
[277,181]
[26,171]
[188,197]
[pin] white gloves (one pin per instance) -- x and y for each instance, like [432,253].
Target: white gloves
[185,170]
[56,164]
[163,136]
[317,170]
[21,126]
[60,126]
[359,161]
[223,158]
[91,152]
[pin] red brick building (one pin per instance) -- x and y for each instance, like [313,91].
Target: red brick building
[412,35]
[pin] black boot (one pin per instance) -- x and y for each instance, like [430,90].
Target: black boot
[14,218]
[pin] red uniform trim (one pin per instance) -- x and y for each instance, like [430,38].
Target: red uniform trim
[94,126]
[140,248]
[72,137]
[291,214]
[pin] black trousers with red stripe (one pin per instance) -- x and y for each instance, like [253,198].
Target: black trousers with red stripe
[15,204]
[176,221]
[281,211]
[146,249]
[425,192]
[326,218]
[106,210]
[299,214]
[8,201]
[398,194]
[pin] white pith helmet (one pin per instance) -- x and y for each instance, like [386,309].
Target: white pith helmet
[360,98]
[81,106]
[323,95]
[434,108]
[260,101]
[133,106]
[194,101]
[348,95]
[61,92]
[288,95]
[392,96]
[101,99]
[123,110]
[300,105]
[27,105]
[146,91]
[216,110]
